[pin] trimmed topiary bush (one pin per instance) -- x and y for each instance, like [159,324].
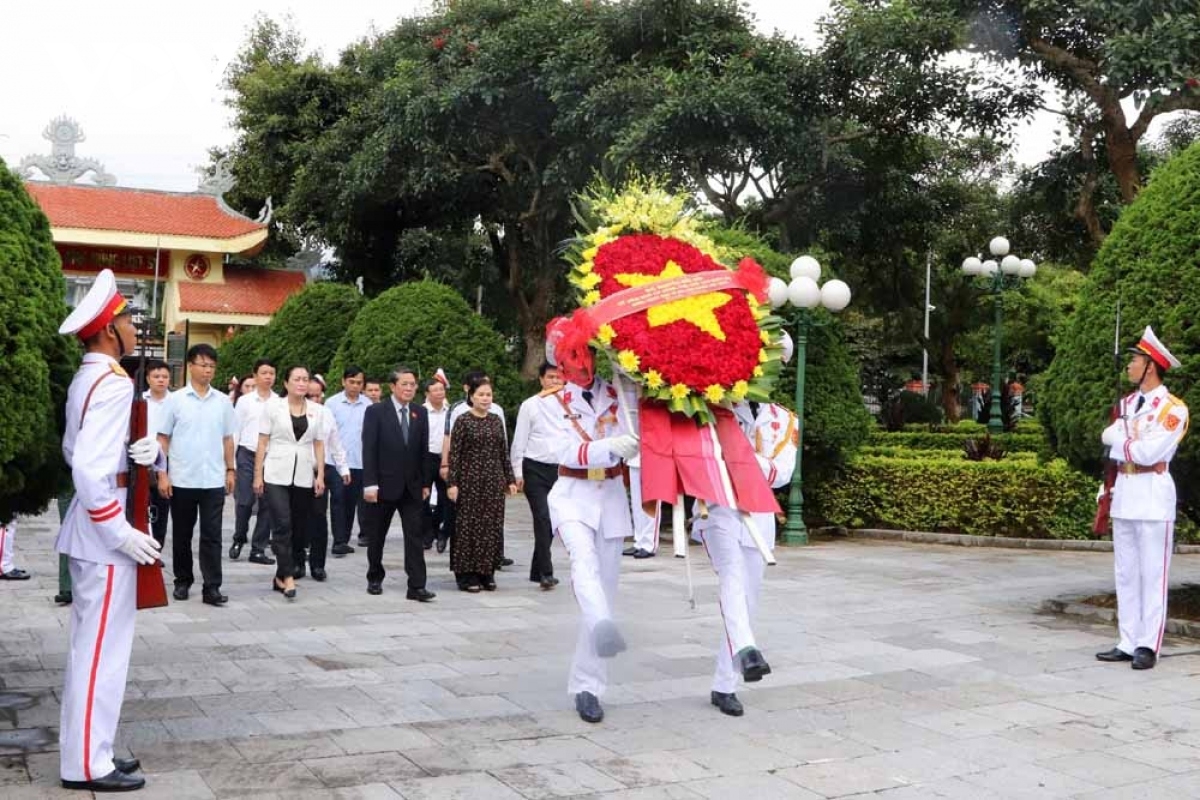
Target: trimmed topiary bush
[237,356]
[427,325]
[36,363]
[1151,260]
[917,440]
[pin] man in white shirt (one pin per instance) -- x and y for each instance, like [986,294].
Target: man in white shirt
[534,457]
[457,410]
[158,378]
[347,407]
[439,410]
[249,412]
[337,473]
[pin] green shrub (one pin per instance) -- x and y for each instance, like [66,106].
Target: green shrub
[1013,497]
[36,363]
[916,440]
[237,356]
[908,408]
[900,451]
[427,325]
[1151,261]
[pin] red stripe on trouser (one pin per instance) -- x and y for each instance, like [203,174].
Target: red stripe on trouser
[91,695]
[1166,567]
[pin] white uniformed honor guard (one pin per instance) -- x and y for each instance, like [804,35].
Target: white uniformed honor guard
[1142,441]
[590,512]
[8,549]
[102,547]
[772,430]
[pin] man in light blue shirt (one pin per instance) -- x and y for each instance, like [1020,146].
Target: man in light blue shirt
[348,406]
[196,430]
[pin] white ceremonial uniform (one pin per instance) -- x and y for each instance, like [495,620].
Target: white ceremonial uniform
[645,526]
[591,516]
[8,544]
[731,549]
[104,582]
[1143,512]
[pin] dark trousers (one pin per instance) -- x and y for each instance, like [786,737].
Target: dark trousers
[539,480]
[344,502]
[160,512]
[435,515]
[414,549]
[318,527]
[291,507]
[186,506]
[243,494]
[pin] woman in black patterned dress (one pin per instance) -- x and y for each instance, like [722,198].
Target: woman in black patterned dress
[480,474]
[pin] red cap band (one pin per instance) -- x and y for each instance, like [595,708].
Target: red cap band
[1154,354]
[110,312]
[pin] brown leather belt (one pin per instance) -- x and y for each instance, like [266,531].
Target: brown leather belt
[1129,468]
[122,480]
[593,474]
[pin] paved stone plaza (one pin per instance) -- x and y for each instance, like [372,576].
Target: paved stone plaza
[901,671]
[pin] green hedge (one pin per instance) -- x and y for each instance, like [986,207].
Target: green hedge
[982,498]
[914,440]
[899,451]
[971,427]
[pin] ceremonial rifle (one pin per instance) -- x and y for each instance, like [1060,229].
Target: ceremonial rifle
[151,586]
[1104,505]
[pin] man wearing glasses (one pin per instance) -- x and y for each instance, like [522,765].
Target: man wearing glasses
[197,432]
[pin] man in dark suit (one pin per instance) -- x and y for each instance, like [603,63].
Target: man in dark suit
[396,477]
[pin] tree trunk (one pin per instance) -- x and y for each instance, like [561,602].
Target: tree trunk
[1122,159]
[949,370]
[532,293]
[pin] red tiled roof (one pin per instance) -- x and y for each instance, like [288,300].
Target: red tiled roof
[107,208]
[245,291]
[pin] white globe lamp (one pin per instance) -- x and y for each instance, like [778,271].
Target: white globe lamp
[803,292]
[835,295]
[777,292]
[998,246]
[972,265]
[1027,268]
[806,267]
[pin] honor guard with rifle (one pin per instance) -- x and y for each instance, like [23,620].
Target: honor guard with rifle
[1141,442]
[104,549]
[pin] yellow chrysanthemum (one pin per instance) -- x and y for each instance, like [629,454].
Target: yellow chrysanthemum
[654,379]
[763,357]
[714,393]
[739,390]
[586,267]
[758,372]
[589,281]
[606,334]
[765,337]
[679,391]
[628,360]
[590,253]
[591,298]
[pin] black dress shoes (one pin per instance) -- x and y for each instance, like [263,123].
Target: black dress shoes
[588,706]
[441,544]
[180,593]
[754,666]
[341,550]
[362,542]
[127,765]
[318,574]
[420,595]
[115,781]
[1144,658]
[64,598]
[728,703]
[1116,654]
[374,587]
[299,573]
[548,582]
[640,553]
[259,557]
[235,550]
[629,551]
[506,562]
[214,598]
[607,639]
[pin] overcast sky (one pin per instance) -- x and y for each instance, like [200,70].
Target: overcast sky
[143,78]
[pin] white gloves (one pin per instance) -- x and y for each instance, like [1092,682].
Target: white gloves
[145,451]
[623,446]
[141,548]
[1113,434]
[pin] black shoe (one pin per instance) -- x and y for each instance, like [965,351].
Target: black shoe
[15,575]
[643,553]
[64,598]
[180,593]
[214,598]
[588,706]
[548,582]
[299,572]
[420,595]
[1116,654]
[362,542]
[488,584]
[235,550]
[115,781]
[374,587]
[728,703]
[259,557]
[441,544]
[1144,658]
[629,551]
[127,765]
[318,574]
[607,639]
[429,545]
[506,562]
[754,666]
[341,550]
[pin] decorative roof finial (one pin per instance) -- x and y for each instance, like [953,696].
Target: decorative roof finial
[62,165]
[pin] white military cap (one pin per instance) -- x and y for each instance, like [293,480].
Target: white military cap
[102,304]
[1157,352]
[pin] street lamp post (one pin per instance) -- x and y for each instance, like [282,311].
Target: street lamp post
[998,277]
[804,294]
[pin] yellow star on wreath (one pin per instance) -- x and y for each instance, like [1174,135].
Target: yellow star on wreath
[699,310]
